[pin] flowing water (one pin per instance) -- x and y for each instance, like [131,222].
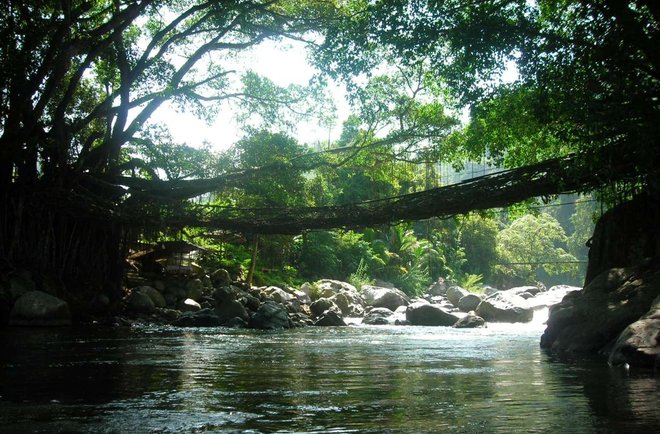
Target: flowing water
[350,379]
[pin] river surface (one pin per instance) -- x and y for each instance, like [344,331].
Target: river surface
[350,379]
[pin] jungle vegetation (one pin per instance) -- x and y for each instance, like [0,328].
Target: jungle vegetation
[86,170]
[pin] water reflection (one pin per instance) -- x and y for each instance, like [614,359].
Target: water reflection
[367,379]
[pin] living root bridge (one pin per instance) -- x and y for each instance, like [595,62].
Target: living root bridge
[576,172]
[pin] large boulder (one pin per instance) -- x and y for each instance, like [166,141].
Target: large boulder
[330,318]
[489,290]
[470,321]
[505,307]
[154,295]
[220,277]
[37,308]
[231,309]
[520,290]
[270,316]
[469,302]
[639,344]
[426,314]
[378,296]
[321,305]
[278,294]
[455,293]
[299,295]
[139,302]
[328,287]
[587,321]
[224,293]
[195,289]
[379,316]
[625,236]
[349,303]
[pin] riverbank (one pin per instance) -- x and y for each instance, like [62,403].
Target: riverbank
[215,300]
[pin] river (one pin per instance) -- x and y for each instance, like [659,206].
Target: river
[350,379]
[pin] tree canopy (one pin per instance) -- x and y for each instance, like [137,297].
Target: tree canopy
[588,70]
[81,82]
[564,93]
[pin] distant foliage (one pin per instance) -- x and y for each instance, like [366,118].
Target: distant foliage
[531,245]
[361,276]
[472,283]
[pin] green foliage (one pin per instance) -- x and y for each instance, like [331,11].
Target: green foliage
[403,259]
[472,283]
[532,244]
[332,254]
[576,64]
[280,185]
[155,154]
[478,239]
[361,276]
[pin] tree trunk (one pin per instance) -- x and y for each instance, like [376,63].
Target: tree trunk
[66,250]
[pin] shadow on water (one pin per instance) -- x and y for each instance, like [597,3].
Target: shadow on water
[618,400]
[366,379]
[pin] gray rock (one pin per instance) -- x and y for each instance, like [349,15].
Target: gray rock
[390,298]
[587,321]
[424,314]
[293,306]
[379,316]
[302,297]
[471,320]
[190,305]
[220,277]
[328,287]
[195,289]
[455,293]
[201,318]
[308,289]
[639,344]
[438,287]
[224,293]
[300,320]
[269,316]
[37,308]
[249,301]
[505,307]
[231,309]
[330,318]
[349,304]
[469,302]
[278,294]
[154,295]
[520,290]
[321,305]
[489,290]
[139,302]
[236,323]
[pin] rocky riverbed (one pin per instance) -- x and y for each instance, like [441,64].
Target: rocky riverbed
[215,300]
